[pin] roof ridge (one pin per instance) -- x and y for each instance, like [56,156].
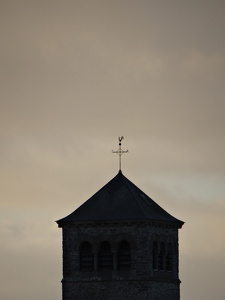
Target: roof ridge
[128,186]
[135,198]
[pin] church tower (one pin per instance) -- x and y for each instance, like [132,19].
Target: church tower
[120,245]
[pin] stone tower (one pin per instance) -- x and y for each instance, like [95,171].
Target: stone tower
[120,245]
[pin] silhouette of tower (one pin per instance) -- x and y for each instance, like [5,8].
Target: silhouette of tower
[120,245]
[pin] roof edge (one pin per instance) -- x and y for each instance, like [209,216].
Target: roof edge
[156,223]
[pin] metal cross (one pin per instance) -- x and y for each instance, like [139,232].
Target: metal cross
[120,151]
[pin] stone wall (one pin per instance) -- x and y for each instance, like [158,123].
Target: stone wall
[120,290]
[140,281]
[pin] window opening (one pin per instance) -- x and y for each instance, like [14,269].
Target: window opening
[155,256]
[105,257]
[169,258]
[161,257]
[86,257]
[124,256]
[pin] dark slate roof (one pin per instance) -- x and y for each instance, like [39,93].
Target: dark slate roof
[118,200]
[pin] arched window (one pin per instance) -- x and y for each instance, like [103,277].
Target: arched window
[105,257]
[124,256]
[161,257]
[169,258]
[86,257]
[155,255]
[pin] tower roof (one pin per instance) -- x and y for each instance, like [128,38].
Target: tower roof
[120,200]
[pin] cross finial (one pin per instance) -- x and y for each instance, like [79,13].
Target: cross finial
[120,151]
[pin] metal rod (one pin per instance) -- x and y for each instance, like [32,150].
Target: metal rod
[120,151]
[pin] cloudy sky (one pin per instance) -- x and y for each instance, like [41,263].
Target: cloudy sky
[74,76]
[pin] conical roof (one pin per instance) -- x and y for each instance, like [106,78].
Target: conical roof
[118,200]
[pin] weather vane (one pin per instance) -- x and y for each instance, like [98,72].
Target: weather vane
[120,151]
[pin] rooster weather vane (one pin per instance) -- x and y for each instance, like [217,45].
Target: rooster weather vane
[120,151]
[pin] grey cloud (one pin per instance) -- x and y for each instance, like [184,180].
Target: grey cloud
[75,76]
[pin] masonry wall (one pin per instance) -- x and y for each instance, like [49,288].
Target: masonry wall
[142,281]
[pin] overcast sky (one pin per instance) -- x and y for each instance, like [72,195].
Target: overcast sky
[76,75]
